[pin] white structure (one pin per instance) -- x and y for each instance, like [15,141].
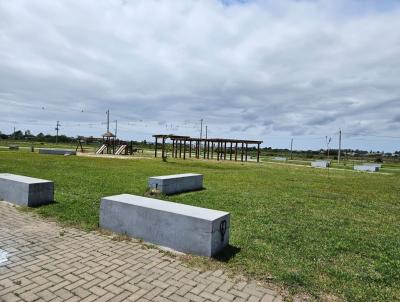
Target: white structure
[25,191]
[181,227]
[320,164]
[172,184]
[374,165]
[57,151]
[279,158]
[366,168]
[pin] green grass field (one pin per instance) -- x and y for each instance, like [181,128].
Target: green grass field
[327,234]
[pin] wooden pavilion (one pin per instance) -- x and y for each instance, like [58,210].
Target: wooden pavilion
[206,148]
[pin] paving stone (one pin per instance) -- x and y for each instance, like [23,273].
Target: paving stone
[80,266]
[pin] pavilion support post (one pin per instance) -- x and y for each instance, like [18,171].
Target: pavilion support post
[208,149]
[241,154]
[199,152]
[225,151]
[230,152]
[184,149]
[163,148]
[246,150]
[236,147]
[258,153]
[155,148]
[176,148]
[212,150]
[190,148]
[180,148]
[218,150]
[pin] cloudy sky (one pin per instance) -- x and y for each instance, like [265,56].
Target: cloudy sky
[268,70]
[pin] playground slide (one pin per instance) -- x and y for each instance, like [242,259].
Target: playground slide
[101,149]
[120,149]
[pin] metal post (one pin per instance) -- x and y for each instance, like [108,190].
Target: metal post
[201,128]
[258,153]
[247,145]
[291,149]
[57,128]
[230,152]
[180,148]
[241,156]
[190,148]
[340,145]
[108,120]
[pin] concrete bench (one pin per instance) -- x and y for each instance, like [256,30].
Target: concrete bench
[279,158]
[320,164]
[25,191]
[181,227]
[57,151]
[374,165]
[172,184]
[366,168]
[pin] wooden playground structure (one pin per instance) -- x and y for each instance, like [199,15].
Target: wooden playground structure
[109,145]
[206,148]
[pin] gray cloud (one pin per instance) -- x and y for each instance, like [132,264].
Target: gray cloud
[293,67]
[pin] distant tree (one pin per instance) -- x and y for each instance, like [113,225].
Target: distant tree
[18,135]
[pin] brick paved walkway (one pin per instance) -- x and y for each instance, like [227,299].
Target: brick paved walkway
[50,263]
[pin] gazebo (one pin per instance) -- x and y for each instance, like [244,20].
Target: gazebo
[206,148]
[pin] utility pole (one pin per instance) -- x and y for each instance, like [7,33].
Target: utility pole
[291,149]
[340,145]
[116,128]
[108,120]
[57,128]
[327,144]
[201,128]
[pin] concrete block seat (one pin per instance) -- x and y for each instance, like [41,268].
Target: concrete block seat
[366,168]
[184,228]
[172,184]
[57,151]
[25,191]
[374,165]
[280,158]
[320,164]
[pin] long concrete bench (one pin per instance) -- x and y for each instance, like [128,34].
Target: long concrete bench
[279,158]
[366,168]
[181,227]
[57,151]
[26,191]
[172,184]
[374,165]
[320,164]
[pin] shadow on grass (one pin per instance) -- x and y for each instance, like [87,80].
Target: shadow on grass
[227,253]
[188,191]
[35,206]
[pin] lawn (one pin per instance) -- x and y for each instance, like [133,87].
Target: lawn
[333,234]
